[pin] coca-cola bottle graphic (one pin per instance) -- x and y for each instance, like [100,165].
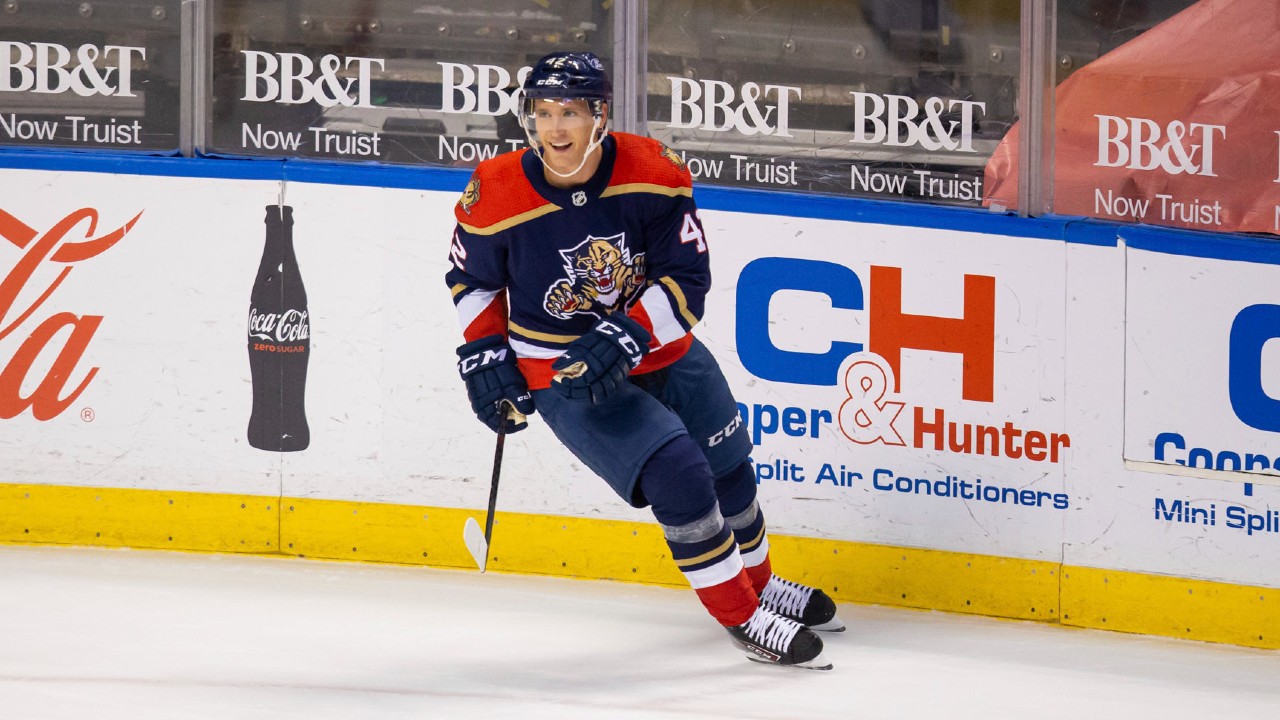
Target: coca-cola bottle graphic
[279,342]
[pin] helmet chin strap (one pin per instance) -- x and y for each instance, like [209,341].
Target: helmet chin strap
[597,125]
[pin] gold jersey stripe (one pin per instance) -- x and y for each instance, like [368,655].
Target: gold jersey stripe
[535,335]
[728,543]
[647,188]
[681,304]
[551,207]
[457,289]
[511,221]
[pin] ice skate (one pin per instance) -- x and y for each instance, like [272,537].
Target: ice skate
[770,638]
[808,606]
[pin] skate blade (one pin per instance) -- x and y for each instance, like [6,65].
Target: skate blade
[832,625]
[818,663]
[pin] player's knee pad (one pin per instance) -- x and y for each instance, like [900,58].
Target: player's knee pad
[677,482]
[736,489]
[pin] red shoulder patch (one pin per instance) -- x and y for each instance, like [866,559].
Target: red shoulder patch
[498,190]
[645,160]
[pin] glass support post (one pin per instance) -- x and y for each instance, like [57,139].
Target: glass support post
[630,93]
[1035,107]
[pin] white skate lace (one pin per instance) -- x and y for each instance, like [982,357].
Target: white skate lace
[786,597]
[771,630]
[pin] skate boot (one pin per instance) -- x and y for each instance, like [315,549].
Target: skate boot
[770,638]
[808,606]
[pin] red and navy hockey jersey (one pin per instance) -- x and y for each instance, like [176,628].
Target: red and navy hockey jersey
[541,264]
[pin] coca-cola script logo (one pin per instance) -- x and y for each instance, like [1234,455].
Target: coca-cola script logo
[290,326]
[40,249]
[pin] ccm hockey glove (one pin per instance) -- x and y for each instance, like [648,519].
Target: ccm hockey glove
[596,363]
[488,367]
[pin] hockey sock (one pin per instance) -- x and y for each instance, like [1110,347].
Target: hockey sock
[753,544]
[707,555]
[736,490]
[731,602]
[677,482]
[760,574]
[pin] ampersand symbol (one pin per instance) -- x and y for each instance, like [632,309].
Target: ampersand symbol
[338,91]
[87,80]
[933,109]
[866,417]
[1175,148]
[759,123]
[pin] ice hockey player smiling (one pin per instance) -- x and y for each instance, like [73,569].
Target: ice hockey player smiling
[579,270]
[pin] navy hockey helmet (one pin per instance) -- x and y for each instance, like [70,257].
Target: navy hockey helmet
[569,76]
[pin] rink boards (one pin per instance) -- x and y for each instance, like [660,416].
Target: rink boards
[1064,421]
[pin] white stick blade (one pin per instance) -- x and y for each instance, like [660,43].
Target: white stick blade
[473,538]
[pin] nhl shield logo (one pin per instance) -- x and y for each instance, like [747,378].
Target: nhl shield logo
[579,198]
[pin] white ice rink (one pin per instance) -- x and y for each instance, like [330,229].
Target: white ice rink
[134,635]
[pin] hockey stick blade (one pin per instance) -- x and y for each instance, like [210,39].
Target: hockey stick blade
[473,538]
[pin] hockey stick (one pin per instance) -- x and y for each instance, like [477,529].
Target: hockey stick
[477,542]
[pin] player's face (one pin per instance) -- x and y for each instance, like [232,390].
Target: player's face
[564,128]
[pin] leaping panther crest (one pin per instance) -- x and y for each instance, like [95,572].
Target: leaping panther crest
[602,274]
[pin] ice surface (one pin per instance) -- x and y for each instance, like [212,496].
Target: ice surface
[91,634]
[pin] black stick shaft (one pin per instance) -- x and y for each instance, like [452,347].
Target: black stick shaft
[493,485]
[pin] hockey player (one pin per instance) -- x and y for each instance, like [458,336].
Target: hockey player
[579,269]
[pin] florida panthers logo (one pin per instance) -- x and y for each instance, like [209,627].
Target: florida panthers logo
[602,275]
[671,155]
[470,196]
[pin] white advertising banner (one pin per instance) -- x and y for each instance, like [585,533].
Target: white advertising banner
[905,386]
[129,315]
[1202,364]
[901,385]
[122,326]
[1154,329]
